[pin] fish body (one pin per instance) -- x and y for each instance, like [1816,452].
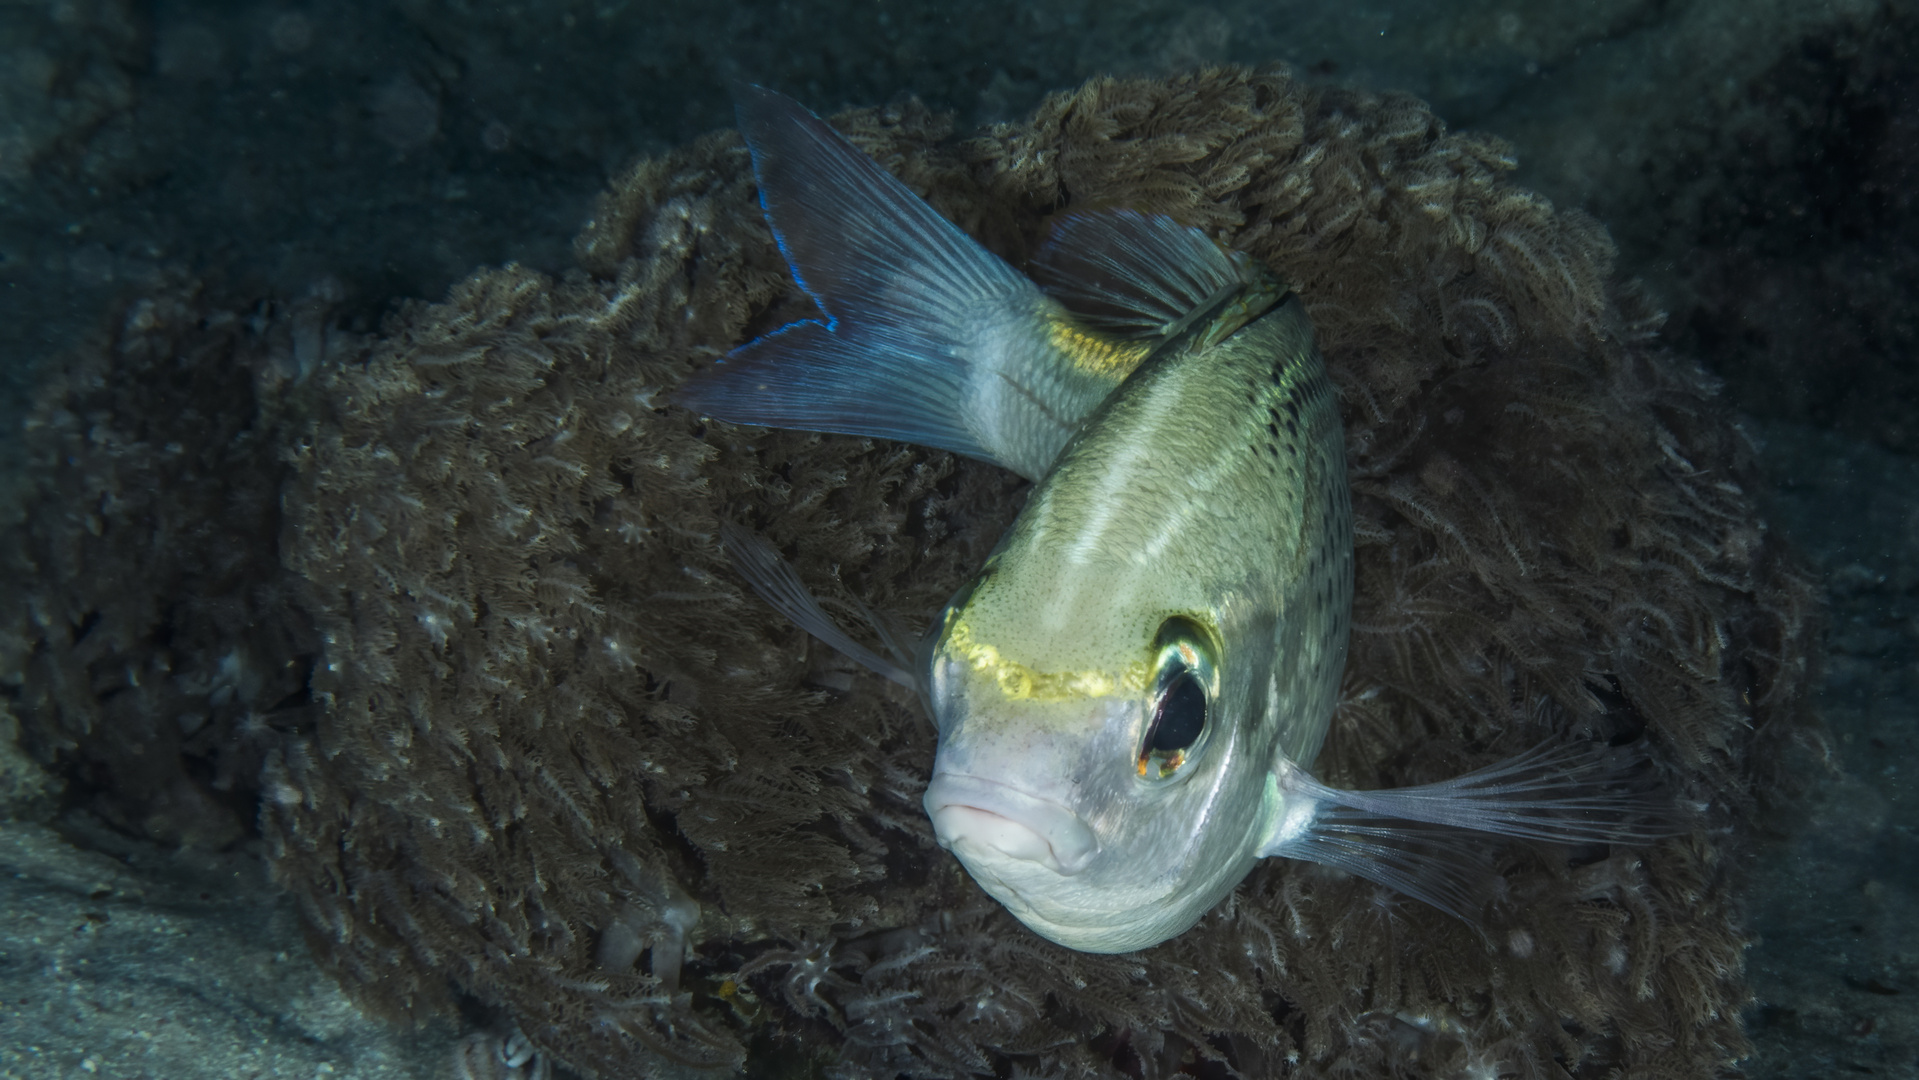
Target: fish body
[1187,561]
[1131,693]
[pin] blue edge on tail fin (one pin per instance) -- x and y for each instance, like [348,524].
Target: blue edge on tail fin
[901,288]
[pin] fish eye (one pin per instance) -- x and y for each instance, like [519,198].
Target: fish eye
[1183,688]
[1179,717]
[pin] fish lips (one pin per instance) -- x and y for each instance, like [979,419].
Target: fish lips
[986,815]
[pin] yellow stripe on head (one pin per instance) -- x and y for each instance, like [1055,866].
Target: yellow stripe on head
[1019,682]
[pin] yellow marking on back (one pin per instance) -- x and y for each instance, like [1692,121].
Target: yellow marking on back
[1094,354]
[1019,682]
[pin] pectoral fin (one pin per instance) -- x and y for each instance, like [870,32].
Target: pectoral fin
[1434,842]
[774,580]
[1133,274]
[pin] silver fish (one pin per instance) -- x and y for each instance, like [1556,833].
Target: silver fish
[1131,692]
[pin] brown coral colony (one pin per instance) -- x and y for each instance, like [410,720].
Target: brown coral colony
[553,759]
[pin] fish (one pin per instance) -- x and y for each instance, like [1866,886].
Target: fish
[1131,692]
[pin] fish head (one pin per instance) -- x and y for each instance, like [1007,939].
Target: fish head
[1098,772]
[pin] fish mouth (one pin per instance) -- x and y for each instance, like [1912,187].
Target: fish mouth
[977,813]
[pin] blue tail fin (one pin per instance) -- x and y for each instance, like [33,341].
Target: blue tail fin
[928,337]
[912,304]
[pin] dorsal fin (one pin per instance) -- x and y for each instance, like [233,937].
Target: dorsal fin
[1131,273]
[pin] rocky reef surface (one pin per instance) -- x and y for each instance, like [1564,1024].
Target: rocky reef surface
[122,958]
[1719,144]
[1836,960]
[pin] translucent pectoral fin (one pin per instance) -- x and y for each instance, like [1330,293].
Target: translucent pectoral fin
[1564,794]
[1435,841]
[774,580]
[1451,869]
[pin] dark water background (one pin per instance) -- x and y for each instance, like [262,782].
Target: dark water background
[1755,160]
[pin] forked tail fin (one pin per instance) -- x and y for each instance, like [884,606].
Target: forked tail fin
[915,311]
[929,338]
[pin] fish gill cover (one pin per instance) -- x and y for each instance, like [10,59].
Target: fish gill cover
[451,600]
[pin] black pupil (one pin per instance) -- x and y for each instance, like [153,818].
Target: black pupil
[1181,715]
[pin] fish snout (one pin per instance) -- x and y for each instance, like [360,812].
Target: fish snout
[978,813]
